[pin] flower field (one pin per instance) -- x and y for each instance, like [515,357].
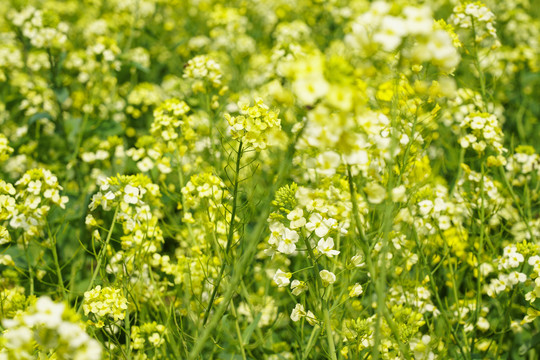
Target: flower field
[253,179]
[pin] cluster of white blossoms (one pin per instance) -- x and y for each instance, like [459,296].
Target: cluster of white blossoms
[523,165]
[27,205]
[519,265]
[477,16]
[299,312]
[283,239]
[47,330]
[42,29]
[381,26]
[123,192]
[136,201]
[483,133]
[203,70]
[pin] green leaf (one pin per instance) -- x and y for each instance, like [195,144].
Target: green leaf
[40,115]
[61,94]
[246,335]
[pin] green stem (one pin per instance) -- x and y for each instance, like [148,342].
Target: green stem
[435,291]
[30,268]
[364,245]
[238,332]
[247,257]
[101,254]
[230,234]
[58,270]
[329,334]
[311,342]
[479,253]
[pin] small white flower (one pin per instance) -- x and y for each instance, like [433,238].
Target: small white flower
[298,287]
[356,290]
[444,222]
[311,319]
[358,260]
[375,193]
[276,231]
[534,261]
[282,278]
[425,207]
[516,277]
[515,259]
[145,164]
[327,163]
[318,224]
[399,194]
[131,194]
[482,324]
[298,312]
[34,187]
[326,247]
[327,277]
[297,219]
[287,244]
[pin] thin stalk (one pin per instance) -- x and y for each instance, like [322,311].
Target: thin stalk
[58,270]
[247,257]
[330,338]
[230,234]
[101,254]
[479,253]
[238,332]
[311,342]
[325,306]
[30,268]
[435,291]
[364,245]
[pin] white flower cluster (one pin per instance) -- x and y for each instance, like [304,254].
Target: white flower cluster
[136,202]
[27,205]
[483,131]
[284,239]
[47,329]
[379,26]
[203,69]
[299,312]
[40,28]
[122,191]
[477,16]
[523,164]
[510,267]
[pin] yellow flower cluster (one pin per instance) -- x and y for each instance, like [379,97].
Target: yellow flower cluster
[255,125]
[136,203]
[148,335]
[143,97]
[105,304]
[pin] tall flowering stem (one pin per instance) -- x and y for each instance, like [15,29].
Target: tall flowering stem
[230,233]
